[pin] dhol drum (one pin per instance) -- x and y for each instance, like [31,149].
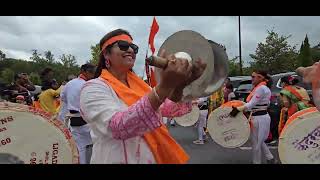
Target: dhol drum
[34,137]
[190,118]
[299,141]
[227,131]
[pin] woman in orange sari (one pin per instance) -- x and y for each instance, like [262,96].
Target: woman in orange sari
[125,114]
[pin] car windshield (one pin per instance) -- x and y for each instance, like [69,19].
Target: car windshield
[245,87]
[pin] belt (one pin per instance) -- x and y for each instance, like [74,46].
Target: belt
[77,121]
[74,112]
[260,113]
[203,107]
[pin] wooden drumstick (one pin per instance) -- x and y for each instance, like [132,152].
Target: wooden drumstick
[156,61]
[160,62]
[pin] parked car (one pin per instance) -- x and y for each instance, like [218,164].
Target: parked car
[243,90]
[236,80]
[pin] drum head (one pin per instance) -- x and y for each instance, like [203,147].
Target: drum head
[227,131]
[299,142]
[189,119]
[35,137]
[196,46]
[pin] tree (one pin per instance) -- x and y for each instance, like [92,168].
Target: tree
[68,60]
[35,78]
[275,55]
[2,55]
[305,58]
[315,55]
[35,56]
[233,67]
[49,56]
[95,53]
[7,75]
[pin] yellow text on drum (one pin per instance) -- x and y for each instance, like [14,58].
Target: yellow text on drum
[6,120]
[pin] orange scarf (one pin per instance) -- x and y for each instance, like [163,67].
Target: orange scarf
[163,147]
[254,89]
[294,92]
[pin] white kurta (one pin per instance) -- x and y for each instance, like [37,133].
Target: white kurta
[98,103]
[261,124]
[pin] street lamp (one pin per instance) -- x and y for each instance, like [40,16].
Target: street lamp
[240,63]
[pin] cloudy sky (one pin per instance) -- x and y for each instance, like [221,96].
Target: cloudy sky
[74,35]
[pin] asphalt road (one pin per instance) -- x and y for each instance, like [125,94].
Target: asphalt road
[210,152]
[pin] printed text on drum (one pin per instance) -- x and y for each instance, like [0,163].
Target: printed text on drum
[3,121]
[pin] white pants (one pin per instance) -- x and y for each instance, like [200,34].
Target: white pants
[81,135]
[165,120]
[259,133]
[202,123]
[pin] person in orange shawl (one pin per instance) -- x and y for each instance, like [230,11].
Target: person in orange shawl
[293,98]
[257,102]
[125,113]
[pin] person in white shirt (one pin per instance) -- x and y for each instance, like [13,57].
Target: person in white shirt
[203,106]
[258,102]
[63,109]
[70,97]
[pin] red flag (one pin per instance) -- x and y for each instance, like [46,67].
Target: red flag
[154,30]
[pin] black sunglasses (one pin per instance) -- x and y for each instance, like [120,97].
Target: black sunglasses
[124,46]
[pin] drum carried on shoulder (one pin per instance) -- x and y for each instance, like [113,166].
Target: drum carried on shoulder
[227,131]
[299,141]
[34,137]
[189,119]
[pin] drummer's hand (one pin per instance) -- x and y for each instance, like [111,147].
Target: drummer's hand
[197,70]
[176,95]
[234,112]
[176,74]
[309,73]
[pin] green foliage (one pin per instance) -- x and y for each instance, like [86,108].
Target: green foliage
[234,67]
[35,78]
[38,63]
[7,75]
[95,53]
[2,55]
[305,57]
[315,53]
[275,55]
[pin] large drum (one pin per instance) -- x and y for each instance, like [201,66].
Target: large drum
[190,118]
[299,141]
[227,131]
[34,137]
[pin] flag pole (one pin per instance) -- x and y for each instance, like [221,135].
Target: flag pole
[146,65]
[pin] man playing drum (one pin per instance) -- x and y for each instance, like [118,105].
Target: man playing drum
[258,102]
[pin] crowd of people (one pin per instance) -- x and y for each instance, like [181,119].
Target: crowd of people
[115,117]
